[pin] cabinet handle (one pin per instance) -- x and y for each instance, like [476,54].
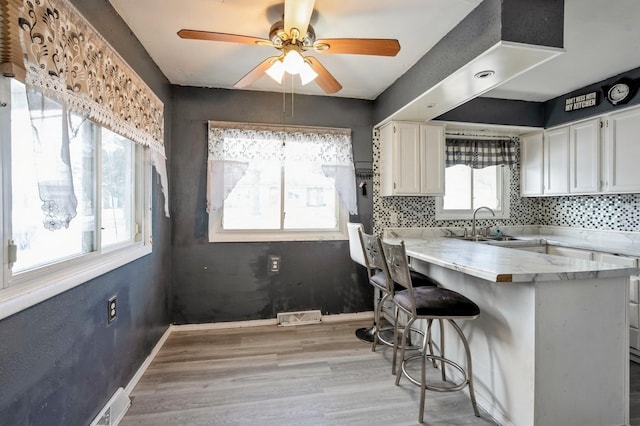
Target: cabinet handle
[394,185]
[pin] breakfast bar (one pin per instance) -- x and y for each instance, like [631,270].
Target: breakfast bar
[551,345]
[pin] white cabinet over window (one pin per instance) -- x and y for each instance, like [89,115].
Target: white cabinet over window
[411,159]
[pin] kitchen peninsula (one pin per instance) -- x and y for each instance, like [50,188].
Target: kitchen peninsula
[551,345]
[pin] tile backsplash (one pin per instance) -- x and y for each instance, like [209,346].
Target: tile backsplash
[609,212]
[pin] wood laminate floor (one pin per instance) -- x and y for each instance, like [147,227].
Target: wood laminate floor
[303,375]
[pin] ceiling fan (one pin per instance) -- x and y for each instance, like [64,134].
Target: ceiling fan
[293,36]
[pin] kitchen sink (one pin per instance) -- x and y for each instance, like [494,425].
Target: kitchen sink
[480,238]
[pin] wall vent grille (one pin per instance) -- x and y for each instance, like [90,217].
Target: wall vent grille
[299,318]
[114,411]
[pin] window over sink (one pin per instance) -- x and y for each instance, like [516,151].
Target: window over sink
[477,174]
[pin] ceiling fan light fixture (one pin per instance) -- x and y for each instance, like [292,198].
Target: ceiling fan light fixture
[293,62]
[307,74]
[276,71]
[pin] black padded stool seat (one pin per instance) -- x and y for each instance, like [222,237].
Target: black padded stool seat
[379,279]
[437,302]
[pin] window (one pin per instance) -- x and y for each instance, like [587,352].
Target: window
[466,189]
[101,223]
[477,174]
[271,185]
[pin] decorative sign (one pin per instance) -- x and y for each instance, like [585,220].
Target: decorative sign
[583,101]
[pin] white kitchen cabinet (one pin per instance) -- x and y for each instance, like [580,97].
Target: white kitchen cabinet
[634,282]
[634,314]
[622,151]
[634,307]
[584,157]
[570,252]
[531,161]
[411,159]
[556,161]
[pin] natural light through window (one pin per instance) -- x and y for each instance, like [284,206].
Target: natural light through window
[70,201]
[466,189]
[278,186]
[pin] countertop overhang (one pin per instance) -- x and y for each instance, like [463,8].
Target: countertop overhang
[503,264]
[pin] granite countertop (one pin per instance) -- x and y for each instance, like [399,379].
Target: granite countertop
[504,264]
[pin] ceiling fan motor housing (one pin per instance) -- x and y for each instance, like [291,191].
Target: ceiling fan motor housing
[279,37]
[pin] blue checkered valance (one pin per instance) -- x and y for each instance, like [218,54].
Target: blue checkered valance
[480,153]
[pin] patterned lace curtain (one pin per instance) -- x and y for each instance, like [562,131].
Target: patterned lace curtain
[232,146]
[67,63]
[480,153]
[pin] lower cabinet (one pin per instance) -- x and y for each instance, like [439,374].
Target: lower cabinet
[634,285]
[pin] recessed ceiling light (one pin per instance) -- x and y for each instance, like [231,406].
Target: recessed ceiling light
[431,105]
[484,74]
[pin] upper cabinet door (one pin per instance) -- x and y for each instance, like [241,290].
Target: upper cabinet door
[411,159]
[584,157]
[556,161]
[407,158]
[432,139]
[622,151]
[531,160]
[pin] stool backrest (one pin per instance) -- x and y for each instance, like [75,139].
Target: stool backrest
[398,267]
[355,246]
[374,256]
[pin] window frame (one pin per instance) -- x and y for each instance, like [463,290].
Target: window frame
[216,232]
[504,213]
[22,290]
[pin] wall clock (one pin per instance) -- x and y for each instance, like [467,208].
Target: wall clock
[620,92]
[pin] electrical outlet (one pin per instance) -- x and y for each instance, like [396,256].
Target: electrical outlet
[274,263]
[112,310]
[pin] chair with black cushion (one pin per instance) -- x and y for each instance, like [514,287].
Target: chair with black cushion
[366,334]
[380,280]
[428,303]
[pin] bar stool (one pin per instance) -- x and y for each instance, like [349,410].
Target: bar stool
[380,280]
[366,334]
[428,303]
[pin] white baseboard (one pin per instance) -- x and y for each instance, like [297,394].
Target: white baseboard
[334,318]
[136,377]
[223,325]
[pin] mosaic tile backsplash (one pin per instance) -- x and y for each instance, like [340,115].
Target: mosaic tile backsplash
[609,212]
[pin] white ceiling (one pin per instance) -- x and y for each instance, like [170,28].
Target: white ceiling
[601,40]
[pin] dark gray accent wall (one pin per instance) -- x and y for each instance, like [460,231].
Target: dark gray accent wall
[555,115]
[538,22]
[217,282]
[497,111]
[59,360]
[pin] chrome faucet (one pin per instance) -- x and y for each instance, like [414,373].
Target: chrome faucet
[473,221]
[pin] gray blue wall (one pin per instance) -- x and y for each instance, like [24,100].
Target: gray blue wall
[59,361]
[217,282]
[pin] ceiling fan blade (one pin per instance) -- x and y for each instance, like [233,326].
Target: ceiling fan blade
[255,74]
[231,38]
[297,14]
[325,80]
[358,46]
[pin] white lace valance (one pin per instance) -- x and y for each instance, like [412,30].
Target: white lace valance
[69,61]
[232,146]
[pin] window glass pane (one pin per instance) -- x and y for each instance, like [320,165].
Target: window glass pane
[118,185]
[254,203]
[457,194]
[485,187]
[36,244]
[310,198]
